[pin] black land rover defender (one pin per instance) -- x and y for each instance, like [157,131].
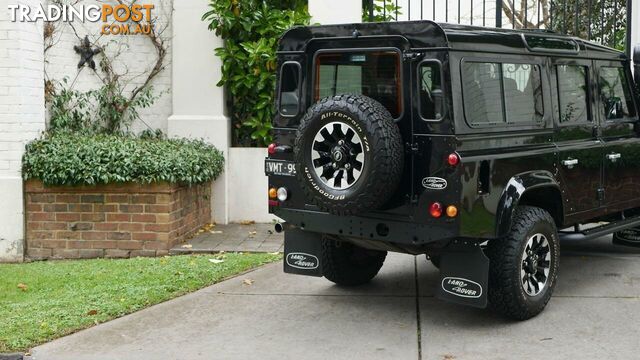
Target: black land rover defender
[471,145]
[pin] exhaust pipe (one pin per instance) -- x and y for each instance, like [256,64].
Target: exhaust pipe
[280,227]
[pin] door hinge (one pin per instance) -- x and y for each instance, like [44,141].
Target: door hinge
[600,194]
[411,55]
[412,148]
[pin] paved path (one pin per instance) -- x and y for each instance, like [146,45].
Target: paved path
[234,237]
[595,314]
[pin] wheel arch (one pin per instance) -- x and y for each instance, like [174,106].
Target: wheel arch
[536,188]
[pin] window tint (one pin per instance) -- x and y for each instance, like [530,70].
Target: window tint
[431,95]
[289,86]
[572,93]
[522,93]
[374,74]
[615,94]
[482,93]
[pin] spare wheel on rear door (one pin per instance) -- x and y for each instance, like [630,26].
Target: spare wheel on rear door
[349,154]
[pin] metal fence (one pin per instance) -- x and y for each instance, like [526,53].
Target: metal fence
[604,21]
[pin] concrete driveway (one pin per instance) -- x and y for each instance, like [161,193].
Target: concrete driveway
[595,314]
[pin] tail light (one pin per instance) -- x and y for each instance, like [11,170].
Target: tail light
[282,194]
[452,211]
[435,210]
[453,159]
[272,148]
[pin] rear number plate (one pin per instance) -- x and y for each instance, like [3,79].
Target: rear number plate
[279,167]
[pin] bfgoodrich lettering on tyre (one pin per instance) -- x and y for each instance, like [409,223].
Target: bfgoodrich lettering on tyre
[349,154]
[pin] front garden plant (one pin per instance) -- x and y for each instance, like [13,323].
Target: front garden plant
[251,29]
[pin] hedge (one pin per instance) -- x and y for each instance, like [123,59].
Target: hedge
[74,159]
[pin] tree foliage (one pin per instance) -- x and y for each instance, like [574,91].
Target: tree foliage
[383,10]
[251,29]
[605,21]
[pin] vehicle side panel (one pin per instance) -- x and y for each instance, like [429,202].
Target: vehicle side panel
[492,157]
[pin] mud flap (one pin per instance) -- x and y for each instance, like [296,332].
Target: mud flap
[464,275]
[302,252]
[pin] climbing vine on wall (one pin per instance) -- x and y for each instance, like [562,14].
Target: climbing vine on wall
[251,29]
[113,106]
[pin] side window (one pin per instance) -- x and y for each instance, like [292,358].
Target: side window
[431,94]
[289,89]
[522,93]
[374,74]
[573,99]
[615,94]
[482,89]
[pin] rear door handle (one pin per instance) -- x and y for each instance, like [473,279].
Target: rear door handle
[570,163]
[614,157]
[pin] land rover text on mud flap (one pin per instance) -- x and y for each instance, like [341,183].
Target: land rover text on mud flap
[470,145]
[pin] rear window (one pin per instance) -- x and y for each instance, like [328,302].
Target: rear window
[374,74]
[431,94]
[498,93]
[289,89]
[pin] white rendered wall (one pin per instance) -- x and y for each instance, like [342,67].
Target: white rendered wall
[248,186]
[21,119]
[198,104]
[335,11]
[137,55]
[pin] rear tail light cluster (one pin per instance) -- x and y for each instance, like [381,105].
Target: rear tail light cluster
[436,210]
[278,195]
[277,148]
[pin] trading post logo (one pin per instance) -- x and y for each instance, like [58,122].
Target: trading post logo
[119,19]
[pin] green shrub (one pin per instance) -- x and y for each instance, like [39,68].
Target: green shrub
[251,29]
[75,159]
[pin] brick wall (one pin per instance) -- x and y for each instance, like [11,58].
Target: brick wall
[124,220]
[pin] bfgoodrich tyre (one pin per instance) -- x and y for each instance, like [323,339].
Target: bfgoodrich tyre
[524,264]
[349,154]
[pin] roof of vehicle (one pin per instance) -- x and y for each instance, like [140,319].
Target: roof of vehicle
[428,34]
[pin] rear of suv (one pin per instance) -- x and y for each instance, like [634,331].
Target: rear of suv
[470,145]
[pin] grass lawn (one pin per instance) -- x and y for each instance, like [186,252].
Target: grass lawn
[42,301]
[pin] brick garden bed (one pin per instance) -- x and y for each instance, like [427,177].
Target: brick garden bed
[118,220]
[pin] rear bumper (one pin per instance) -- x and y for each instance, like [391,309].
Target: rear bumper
[368,228]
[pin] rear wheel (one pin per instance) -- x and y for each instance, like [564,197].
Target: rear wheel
[346,264]
[524,264]
[628,237]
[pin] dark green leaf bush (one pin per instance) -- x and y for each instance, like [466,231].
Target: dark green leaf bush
[251,29]
[75,159]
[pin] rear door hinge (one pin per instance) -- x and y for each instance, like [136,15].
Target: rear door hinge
[412,148]
[411,55]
